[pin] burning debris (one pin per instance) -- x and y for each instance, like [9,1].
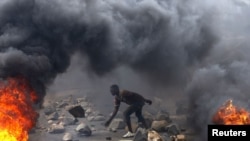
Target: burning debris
[229,114]
[17,114]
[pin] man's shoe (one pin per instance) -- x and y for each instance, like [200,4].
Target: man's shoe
[128,135]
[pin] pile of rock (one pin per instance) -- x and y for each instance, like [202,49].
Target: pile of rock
[60,120]
[162,126]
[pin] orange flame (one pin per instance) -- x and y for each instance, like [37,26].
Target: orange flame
[17,115]
[229,114]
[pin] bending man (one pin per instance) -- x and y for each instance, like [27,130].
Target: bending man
[135,102]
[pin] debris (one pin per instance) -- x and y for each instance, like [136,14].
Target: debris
[49,110]
[68,121]
[56,128]
[67,137]
[163,116]
[53,116]
[179,137]
[159,126]
[77,111]
[96,118]
[83,130]
[140,135]
[154,136]
[172,129]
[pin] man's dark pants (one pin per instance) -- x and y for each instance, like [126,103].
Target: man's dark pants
[137,109]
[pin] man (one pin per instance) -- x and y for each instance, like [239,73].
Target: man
[135,102]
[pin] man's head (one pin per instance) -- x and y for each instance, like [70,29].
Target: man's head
[114,89]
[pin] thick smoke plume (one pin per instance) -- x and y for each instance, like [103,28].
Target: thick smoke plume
[201,45]
[157,38]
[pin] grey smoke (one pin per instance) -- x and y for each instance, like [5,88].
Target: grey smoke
[159,39]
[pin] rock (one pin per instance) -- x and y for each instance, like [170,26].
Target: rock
[163,116]
[77,111]
[179,137]
[140,135]
[62,104]
[149,121]
[50,121]
[154,136]
[67,137]
[81,99]
[68,121]
[117,123]
[49,110]
[99,118]
[83,130]
[172,129]
[159,126]
[56,128]
[53,116]
[90,118]
[89,111]
[166,137]
[84,104]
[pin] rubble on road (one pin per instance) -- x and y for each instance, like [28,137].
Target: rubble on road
[56,128]
[67,137]
[74,119]
[63,116]
[83,130]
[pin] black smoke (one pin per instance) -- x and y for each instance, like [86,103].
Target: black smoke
[160,39]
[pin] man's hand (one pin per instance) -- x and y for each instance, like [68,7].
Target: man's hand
[149,102]
[106,124]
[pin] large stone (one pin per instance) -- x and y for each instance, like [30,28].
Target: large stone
[77,111]
[140,135]
[53,116]
[67,137]
[96,118]
[56,128]
[62,104]
[49,110]
[68,121]
[89,111]
[159,126]
[173,129]
[149,121]
[166,137]
[163,116]
[99,118]
[84,104]
[81,99]
[179,137]
[83,130]
[154,136]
